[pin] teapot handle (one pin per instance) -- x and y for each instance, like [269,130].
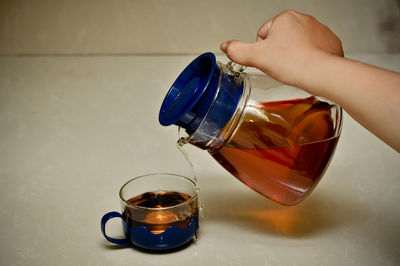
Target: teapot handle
[235,68]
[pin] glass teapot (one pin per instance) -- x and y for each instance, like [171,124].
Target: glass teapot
[276,139]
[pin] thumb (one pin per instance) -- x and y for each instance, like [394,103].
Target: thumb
[243,53]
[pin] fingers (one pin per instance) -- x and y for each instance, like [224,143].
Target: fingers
[245,53]
[263,31]
[241,52]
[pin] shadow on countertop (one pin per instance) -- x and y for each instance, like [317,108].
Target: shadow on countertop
[320,212]
[110,246]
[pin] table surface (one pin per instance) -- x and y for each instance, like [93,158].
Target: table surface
[74,129]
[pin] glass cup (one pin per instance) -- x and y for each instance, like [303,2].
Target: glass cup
[159,211]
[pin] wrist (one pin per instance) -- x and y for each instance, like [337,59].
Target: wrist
[316,73]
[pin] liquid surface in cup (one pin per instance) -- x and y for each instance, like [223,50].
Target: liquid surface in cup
[281,149]
[157,219]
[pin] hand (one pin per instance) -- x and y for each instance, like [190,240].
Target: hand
[286,46]
[296,49]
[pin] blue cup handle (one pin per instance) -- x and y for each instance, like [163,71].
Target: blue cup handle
[104,220]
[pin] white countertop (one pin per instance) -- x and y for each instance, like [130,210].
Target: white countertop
[74,129]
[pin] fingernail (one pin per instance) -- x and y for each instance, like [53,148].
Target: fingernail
[223,46]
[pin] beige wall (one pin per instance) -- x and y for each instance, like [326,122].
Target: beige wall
[181,26]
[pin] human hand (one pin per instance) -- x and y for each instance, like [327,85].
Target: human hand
[287,45]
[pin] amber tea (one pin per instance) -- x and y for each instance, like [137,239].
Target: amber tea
[157,215]
[281,149]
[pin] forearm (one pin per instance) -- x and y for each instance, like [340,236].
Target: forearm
[369,94]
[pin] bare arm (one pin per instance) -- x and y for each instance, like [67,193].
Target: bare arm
[298,50]
[369,94]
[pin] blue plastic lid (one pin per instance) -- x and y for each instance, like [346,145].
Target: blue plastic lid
[201,93]
[178,105]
